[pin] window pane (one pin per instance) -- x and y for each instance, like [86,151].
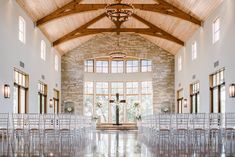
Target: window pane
[179,63]
[146,66]
[146,106]
[223,98]
[131,100]
[102,88]
[102,66]
[43,50]
[21,30]
[15,100]
[88,109]
[216,30]
[117,66]
[146,87]
[56,63]
[89,87]
[132,66]
[22,100]
[215,101]
[132,88]
[117,87]
[102,108]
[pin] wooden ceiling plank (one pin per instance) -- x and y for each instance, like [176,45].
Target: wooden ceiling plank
[161,7]
[60,12]
[158,30]
[167,8]
[85,32]
[71,34]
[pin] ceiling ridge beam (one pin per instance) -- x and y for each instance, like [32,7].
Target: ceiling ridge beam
[158,30]
[161,7]
[78,30]
[60,12]
[92,31]
[175,11]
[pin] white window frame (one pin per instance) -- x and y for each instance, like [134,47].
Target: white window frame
[180,63]
[194,50]
[56,63]
[43,50]
[216,30]
[22,30]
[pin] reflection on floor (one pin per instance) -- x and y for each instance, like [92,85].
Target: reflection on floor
[113,144]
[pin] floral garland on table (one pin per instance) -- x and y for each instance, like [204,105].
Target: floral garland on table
[137,111]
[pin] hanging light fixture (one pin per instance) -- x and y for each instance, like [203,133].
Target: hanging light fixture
[51,103]
[117,54]
[7,91]
[185,103]
[232,90]
[119,12]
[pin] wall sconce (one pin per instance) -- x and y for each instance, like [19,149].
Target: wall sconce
[185,103]
[50,103]
[232,90]
[7,91]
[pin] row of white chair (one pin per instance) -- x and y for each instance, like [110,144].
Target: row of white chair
[190,126]
[203,121]
[28,125]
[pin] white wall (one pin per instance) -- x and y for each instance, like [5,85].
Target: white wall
[12,51]
[208,53]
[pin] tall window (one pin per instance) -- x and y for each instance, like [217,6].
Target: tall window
[22,30]
[56,100]
[102,66]
[137,95]
[194,50]
[56,63]
[146,98]
[180,101]
[102,101]
[20,96]
[132,97]
[216,30]
[179,63]
[88,98]
[132,66]
[42,98]
[146,66]
[89,65]
[117,66]
[43,50]
[195,97]
[217,90]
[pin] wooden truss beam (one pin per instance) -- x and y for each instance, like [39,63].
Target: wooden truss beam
[78,30]
[160,7]
[159,31]
[146,31]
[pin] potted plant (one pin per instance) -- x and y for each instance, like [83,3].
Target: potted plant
[100,107]
[137,111]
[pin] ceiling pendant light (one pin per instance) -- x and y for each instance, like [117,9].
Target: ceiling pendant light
[117,53]
[119,12]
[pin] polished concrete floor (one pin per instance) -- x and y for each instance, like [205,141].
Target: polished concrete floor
[114,144]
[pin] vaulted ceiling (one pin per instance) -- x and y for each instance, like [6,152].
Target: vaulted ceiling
[167,23]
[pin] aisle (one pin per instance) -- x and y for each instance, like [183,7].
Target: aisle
[117,144]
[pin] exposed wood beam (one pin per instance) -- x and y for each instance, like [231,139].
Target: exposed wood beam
[160,7]
[159,30]
[74,32]
[60,12]
[147,31]
[164,7]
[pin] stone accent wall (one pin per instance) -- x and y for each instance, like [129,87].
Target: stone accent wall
[133,45]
